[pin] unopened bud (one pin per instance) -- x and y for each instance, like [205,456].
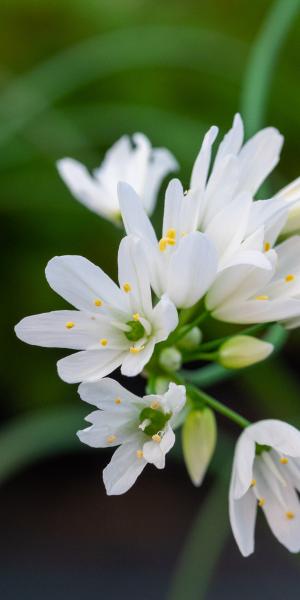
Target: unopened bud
[199,435]
[161,385]
[242,351]
[170,359]
[191,340]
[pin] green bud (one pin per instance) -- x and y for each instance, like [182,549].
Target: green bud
[161,385]
[242,351]
[170,359]
[136,332]
[199,436]
[191,340]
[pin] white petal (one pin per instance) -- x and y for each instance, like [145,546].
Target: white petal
[279,435]
[132,266]
[244,455]
[242,514]
[258,157]
[258,311]
[107,429]
[173,203]
[80,282]
[288,253]
[192,268]
[50,330]
[161,163]
[286,530]
[227,229]
[124,468]
[175,398]
[232,141]
[103,394]
[164,318]
[89,365]
[202,162]
[134,215]
[155,452]
[133,364]
[113,167]
[86,189]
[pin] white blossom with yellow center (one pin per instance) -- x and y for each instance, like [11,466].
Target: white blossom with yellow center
[139,164]
[266,474]
[141,427]
[112,326]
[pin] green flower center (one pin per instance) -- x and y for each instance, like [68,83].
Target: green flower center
[136,332]
[156,420]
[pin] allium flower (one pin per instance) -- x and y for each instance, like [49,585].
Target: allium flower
[183,263]
[245,294]
[266,473]
[140,165]
[112,325]
[141,427]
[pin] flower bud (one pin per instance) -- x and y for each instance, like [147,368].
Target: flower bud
[161,385]
[293,221]
[191,340]
[170,359]
[199,435]
[242,351]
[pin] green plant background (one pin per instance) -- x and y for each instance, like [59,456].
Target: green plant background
[74,77]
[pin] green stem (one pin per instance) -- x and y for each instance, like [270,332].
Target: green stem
[203,398]
[188,357]
[180,333]
[261,65]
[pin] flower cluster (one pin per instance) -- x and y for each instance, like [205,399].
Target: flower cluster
[221,254]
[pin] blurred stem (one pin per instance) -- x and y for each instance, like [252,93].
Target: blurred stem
[261,64]
[203,547]
[182,331]
[31,437]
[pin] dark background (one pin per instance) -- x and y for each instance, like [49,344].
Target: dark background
[74,76]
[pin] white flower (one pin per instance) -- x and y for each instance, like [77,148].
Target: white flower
[141,427]
[248,294]
[183,263]
[140,165]
[112,325]
[266,472]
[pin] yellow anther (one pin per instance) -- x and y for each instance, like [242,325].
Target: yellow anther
[171,234]
[155,405]
[103,342]
[111,439]
[267,246]
[139,453]
[261,502]
[289,278]
[135,350]
[253,482]
[118,401]
[284,460]
[162,244]
[136,317]
[70,324]
[156,438]
[290,515]
[98,302]
[127,287]
[262,297]
[170,241]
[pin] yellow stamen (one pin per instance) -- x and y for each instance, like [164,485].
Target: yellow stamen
[136,317]
[171,234]
[261,502]
[70,324]
[170,241]
[155,405]
[289,277]
[118,401]
[127,287]
[262,297]
[111,439]
[139,453]
[98,302]
[103,342]
[156,438]
[253,482]
[290,515]
[267,246]
[135,350]
[283,460]
[162,244]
